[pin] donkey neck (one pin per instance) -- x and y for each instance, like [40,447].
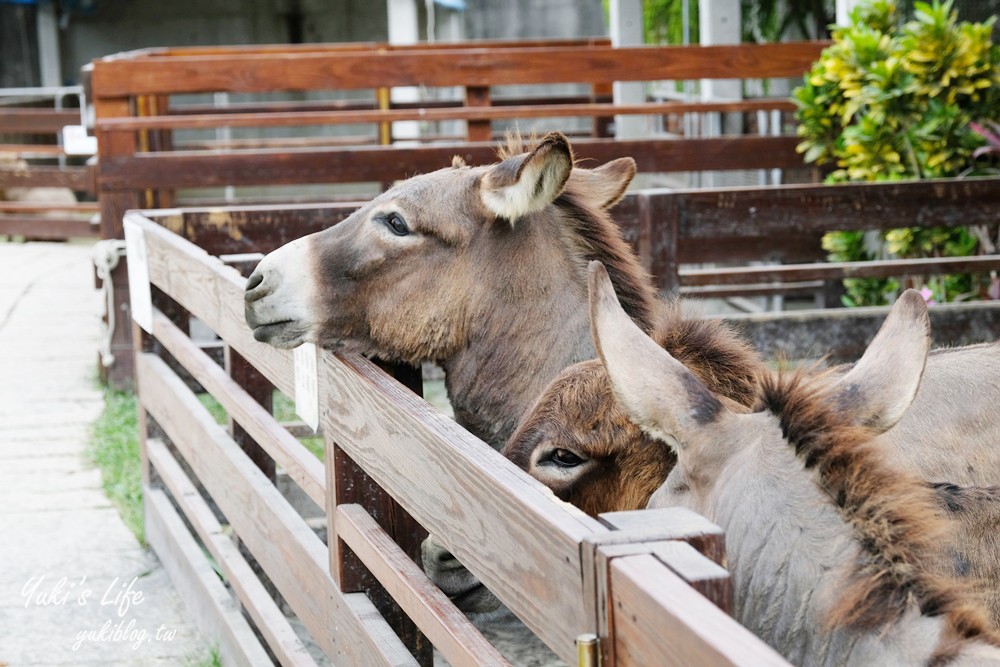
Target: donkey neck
[514,351]
[532,319]
[789,550]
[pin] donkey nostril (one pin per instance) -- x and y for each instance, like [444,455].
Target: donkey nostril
[255,280]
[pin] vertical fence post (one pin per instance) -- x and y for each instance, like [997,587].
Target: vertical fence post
[113,206]
[478,130]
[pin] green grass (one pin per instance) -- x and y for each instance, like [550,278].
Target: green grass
[114,449]
[204,658]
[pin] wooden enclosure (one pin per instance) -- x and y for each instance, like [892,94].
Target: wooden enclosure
[644,582]
[153,140]
[767,241]
[33,157]
[395,468]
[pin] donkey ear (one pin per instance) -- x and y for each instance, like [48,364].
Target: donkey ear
[881,386]
[527,183]
[605,185]
[660,395]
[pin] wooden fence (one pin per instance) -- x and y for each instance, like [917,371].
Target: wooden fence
[767,240]
[644,583]
[30,131]
[142,116]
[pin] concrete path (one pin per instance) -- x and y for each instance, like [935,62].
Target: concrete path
[76,588]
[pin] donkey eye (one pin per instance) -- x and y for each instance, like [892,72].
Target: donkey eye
[566,458]
[396,224]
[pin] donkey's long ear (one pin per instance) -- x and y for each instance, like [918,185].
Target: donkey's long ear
[526,183]
[881,386]
[604,186]
[660,395]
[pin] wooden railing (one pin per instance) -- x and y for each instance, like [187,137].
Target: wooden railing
[148,151]
[677,232]
[30,132]
[645,583]
[767,241]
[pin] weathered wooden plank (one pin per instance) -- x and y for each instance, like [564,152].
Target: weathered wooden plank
[792,273]
[702,574]
[180,51]
[427,462]
[671,523]
[283,544]
[266,615]
[179,169]
[842,334]
[36,121]
[212,608]
[31,149]
[660,620]
[476,67]
[454,636]
[300,464]
[763,211]
[36,207]
[476,110]
[213,293]
[79,179]
[47,228]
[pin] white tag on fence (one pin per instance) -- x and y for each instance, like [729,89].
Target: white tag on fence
[138,276]
[76,141]
[307,385]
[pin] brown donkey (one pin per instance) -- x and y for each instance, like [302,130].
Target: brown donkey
[833,552]
[580,442]
[482,270]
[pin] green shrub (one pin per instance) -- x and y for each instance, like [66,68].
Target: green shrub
[889,102]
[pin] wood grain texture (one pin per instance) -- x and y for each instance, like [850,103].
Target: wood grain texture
[180,169]
[259,72]
[78,179]
[509,530]
[762,211]
[47,228]
[477,108]
[838,270]
[702,574]
[454,636]
[212,292]
[671,523]
[213,609]
[298,462]
[281,542]
[36,121]
[269,619]
[660,620]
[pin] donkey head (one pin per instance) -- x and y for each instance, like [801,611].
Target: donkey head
[668,402]
[579,441]
[410,274]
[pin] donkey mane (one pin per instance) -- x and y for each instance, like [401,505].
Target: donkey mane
[598,237]
[726,363]
[895,518]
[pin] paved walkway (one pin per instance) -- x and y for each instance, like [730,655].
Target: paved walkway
[71,573]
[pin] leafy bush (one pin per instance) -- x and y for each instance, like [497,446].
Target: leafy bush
[891,102]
